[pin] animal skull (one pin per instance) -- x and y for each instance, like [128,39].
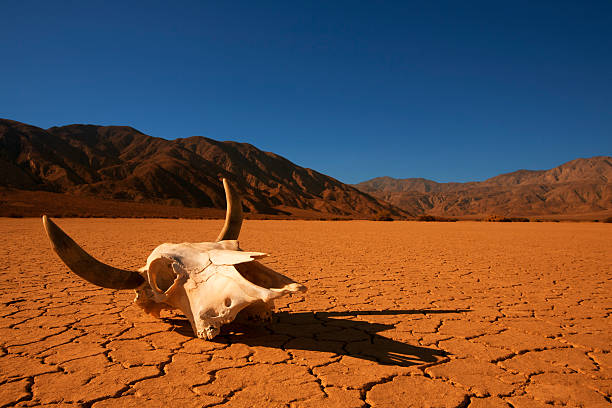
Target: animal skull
[210,282]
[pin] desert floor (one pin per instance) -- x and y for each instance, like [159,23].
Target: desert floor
[397,314]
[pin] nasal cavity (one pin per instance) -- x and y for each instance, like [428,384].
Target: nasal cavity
[228,302]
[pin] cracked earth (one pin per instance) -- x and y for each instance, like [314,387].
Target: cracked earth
[397,314]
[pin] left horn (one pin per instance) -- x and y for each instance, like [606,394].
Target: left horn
[86,266]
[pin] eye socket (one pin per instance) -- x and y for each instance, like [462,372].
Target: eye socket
[161,274]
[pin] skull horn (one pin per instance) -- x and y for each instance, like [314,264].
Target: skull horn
[86,266]
[233,215]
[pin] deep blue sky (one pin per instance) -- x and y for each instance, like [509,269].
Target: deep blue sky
[449,90]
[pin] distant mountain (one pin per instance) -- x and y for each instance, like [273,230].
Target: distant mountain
[121,163]
[581,186]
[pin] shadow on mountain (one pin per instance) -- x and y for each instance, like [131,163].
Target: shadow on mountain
[335,333]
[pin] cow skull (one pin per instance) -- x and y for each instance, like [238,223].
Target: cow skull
[210,282]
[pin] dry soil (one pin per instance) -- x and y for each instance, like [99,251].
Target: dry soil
[397,314]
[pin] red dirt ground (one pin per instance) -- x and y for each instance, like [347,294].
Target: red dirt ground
[397,314]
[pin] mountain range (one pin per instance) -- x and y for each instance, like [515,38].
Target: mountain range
[579,187]
[88,170]
[120,164]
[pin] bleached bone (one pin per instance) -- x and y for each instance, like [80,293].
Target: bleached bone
[210,282]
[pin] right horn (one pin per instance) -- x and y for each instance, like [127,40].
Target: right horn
[233,214]
[86,266]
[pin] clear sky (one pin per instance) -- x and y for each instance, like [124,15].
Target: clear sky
[446,90]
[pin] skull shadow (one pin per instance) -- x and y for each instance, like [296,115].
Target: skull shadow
[332,333]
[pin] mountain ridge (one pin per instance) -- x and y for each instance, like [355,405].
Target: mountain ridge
[115,164]
[582,185]
[122,163]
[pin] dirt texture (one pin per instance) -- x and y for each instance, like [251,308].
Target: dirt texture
[397,314]
[22,203]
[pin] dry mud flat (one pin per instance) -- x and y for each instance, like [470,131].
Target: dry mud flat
[397,314]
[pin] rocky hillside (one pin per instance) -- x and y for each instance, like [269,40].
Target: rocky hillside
[121,163]
[581,186]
